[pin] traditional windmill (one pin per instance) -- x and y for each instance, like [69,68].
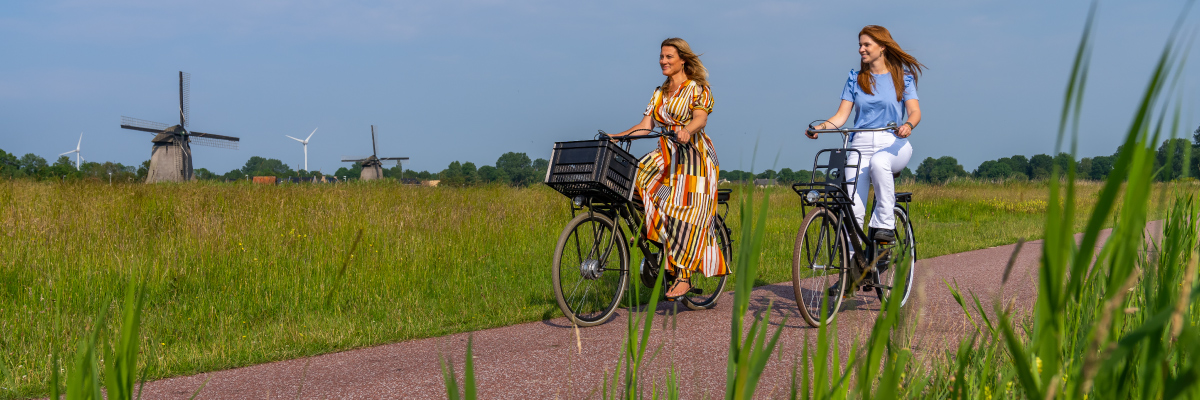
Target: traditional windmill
[171,155]
[372,167]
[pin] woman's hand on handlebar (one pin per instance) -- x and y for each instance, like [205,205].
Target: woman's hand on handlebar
[809,132]
[904,131]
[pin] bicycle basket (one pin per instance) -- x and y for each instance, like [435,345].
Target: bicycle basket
[592,168]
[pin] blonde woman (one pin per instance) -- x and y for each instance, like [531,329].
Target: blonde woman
[678,181]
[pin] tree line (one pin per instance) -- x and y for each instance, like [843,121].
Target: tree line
[511,169]
[1176,158]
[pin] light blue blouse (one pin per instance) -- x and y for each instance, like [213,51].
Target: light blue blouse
[876,110]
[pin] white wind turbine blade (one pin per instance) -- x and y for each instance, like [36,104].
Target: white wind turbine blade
[298,140]
[310,135]
[69,152]
[80,141]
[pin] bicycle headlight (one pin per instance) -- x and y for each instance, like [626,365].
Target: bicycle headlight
[812,196]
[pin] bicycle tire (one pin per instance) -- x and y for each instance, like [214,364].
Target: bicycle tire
[712,286]
[589,231]
[904,253]
[816,256]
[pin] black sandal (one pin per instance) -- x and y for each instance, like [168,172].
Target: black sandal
[676,284]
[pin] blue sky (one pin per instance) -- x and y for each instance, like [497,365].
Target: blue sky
[470,80]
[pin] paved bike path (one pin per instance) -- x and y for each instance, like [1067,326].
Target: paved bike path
[550,359]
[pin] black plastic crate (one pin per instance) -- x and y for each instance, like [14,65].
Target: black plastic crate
[592,168]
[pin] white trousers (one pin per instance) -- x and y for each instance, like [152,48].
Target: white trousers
[883,155]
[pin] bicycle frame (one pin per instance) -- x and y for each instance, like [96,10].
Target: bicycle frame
[628,213]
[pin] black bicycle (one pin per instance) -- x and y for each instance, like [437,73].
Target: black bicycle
[592,260]
[823,271]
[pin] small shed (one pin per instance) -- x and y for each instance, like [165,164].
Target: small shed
[764,182]
[265,180]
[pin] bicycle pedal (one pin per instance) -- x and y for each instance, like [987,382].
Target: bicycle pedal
[696,291]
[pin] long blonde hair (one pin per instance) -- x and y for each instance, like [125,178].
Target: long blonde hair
[692,67]
[899,62]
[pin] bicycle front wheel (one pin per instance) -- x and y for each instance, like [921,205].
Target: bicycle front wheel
[902,259]
[819,261]
[711,287]
[591,269]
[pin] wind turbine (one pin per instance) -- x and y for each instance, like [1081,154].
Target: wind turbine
[305,143]
[78,157]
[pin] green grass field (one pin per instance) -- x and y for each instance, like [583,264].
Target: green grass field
[239,274]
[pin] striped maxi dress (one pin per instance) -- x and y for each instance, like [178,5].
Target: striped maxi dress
[678,185]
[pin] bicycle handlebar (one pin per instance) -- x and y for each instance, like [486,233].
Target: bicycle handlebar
[631,137]
[891,126]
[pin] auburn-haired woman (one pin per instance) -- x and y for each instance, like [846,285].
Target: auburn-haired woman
[882,91]
[678,181]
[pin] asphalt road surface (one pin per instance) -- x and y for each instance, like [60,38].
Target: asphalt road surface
[551,359]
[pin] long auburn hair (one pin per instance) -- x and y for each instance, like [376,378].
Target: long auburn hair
[899,62]
[692,67]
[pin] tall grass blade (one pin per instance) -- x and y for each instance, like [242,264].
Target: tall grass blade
[345,265]
[121,361]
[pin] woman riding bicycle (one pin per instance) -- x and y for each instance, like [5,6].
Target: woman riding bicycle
[883,91]
[678,181]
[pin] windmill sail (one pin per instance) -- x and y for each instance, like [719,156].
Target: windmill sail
[143,125]
[185,99]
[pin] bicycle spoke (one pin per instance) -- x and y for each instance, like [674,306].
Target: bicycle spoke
[582,300]
[577,283]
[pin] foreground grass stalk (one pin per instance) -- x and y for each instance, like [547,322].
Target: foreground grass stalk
[748,356]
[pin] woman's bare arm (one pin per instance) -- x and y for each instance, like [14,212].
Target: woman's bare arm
[699,120]
[836,121]
[914,117]
[646,123]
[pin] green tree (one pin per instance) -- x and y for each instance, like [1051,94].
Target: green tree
[539,169]
[1064,162]
[63,167]
[489,174]
[518,167]
[993,170]
[1101,166]
[1169,161]
[736,176]
[10,165]
[907,174]
[34,166]
[143,170]
[939,170]
[258,166]
[204,174]
[470,174]
[1040,166]
[1017,163]
[396,171]
[452,175]
[786,175]
[768,174]
[1083,170]
[234,175]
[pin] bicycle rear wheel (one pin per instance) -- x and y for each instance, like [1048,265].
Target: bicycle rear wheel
[711,287]
[903,256]
[819,260]
[591,269]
